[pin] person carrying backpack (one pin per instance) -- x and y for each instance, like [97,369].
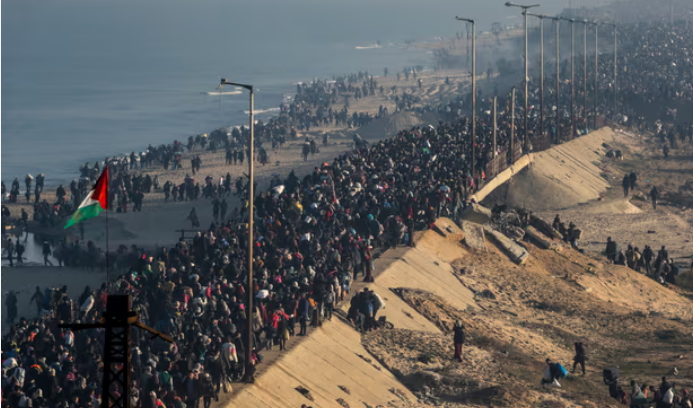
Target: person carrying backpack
[553,372]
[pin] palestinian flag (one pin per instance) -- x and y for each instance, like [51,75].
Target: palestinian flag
[96,201]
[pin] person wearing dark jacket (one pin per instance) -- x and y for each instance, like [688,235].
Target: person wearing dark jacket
[215,368]
[303,310]
[626,185]
[580,357]
[654,195]
[633,180]
[458,340]
[611,249]
[207,390]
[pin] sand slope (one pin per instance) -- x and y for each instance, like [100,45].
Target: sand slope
[561,177]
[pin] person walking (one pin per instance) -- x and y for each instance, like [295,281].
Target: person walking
[626,185]
[580,357]
[329,302]
[458,339]
[194,221]
[206,390]
[303,310]
[11,304]
[46,253]
[37,298]
[9,250]
[654,195]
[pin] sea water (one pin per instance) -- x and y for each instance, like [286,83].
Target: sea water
[86,79]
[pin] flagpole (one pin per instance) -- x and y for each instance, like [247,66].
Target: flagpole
[108,206]
[108,280]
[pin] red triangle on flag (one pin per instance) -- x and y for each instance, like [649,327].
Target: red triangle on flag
[101,189]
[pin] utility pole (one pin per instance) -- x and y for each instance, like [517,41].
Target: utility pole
[584,72]
[572,75]
[558,76]
[526,80]
[473,136]
[247,377]
[615,90]
[512,122]
[118,321]
[495,125]
[596,71]
[541,70]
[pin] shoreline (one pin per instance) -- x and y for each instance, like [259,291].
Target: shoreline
[288,93]
[145,228]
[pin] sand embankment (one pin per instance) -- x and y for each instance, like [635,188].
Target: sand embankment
[333,356]
[563,176]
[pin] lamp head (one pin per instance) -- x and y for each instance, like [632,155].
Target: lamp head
[509,4]
[223,80]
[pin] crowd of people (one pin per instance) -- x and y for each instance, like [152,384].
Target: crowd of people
[313,237]
[660,267]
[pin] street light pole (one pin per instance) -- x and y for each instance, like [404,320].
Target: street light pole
[495,126]
[251,217]
[558,75]
[584,71]
[512,124]
[526,80]
[615,66]
[541,69]
[572,75]
[596,71]
[473,137]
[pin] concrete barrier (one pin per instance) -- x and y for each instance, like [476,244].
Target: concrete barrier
[476,213]
[541,239]
[545,228]
[515,252]
[474,236]
[501,178]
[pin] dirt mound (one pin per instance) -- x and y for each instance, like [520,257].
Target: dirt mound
[422,361]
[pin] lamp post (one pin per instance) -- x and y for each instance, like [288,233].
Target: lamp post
[251,217]
[584,71]
[541,70]
[615,65]
[596,70]
[556,21]
[572,75]
[473,137]
[526,81]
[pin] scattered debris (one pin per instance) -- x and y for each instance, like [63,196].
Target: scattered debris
[305,392]
[399,394]
[343,403]
[366,359]
[345,389]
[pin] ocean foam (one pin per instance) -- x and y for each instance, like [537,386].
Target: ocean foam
[261,111]
[217,93]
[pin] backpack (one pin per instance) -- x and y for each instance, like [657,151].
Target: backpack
[668,396]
